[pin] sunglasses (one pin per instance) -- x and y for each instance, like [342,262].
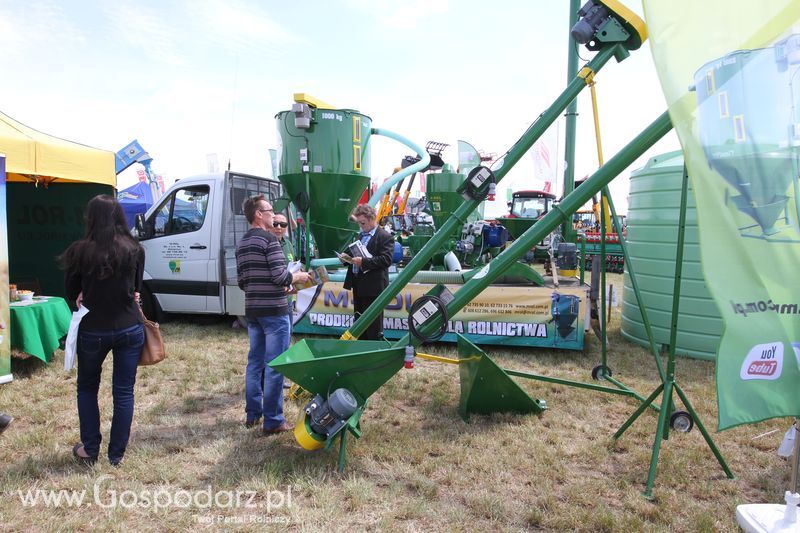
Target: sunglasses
[280,224]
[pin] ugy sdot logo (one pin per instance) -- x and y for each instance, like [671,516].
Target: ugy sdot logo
[764,361]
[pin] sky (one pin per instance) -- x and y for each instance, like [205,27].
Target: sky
[193,78]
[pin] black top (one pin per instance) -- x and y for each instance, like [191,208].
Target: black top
[374,275]
[110,301]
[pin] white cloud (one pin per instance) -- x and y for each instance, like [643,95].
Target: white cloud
[401,15]
[146,30]
[28,26]
[238,26]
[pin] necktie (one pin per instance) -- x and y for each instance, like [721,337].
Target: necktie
[364,240]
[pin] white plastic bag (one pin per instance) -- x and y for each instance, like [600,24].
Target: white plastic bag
[72,338]
[787,446]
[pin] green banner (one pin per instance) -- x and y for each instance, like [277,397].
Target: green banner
[5,336]
[500,315]
[42,222]
[730,71]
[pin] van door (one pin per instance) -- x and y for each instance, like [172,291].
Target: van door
[178,247]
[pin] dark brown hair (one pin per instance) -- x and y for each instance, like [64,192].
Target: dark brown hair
[364,210]
[107,246]
[250,205]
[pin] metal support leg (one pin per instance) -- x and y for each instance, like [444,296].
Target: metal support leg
[342,450]
[639,411]
[704,431]
[669,384]
[795,483]
[663,425]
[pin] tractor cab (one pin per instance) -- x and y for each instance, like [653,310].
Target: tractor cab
[530,204]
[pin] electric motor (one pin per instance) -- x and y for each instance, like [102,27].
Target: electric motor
[326,418]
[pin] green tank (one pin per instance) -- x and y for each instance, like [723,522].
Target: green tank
[443,200]
[653,213]
[325,168]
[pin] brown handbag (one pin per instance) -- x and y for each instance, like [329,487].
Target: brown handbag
[153,350]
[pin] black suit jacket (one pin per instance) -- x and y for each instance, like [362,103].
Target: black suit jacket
[373,276]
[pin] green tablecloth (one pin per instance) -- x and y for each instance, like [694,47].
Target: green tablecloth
[37,328]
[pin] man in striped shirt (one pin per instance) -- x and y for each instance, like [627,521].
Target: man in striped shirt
[265,280]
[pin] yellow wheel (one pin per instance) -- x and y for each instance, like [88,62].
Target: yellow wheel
[305,437]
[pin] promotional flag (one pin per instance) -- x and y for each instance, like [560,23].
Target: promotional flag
[544,154]
[468,157]
[730,72]
[5,336]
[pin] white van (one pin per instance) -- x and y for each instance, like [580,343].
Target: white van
[190,236]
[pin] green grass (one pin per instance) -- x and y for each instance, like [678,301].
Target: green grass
[417,467]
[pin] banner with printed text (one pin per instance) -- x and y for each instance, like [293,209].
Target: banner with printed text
[730,71]
[5,336]
[509,316]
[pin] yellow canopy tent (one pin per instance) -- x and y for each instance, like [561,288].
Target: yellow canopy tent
[35,156]
[49,182]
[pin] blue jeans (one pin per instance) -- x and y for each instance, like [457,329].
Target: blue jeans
[269,337]
[92,349]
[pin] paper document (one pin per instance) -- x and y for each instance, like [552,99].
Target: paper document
[317,276]
[357,249]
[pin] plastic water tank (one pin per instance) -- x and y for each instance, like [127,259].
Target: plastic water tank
[653,211]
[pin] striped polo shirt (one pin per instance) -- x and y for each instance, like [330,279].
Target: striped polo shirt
[262,274]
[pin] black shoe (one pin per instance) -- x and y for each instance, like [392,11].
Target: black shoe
[249,424]
[115,462]
[86,461]
[284,427]
[5,421]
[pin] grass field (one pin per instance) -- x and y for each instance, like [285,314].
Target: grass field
[417,467]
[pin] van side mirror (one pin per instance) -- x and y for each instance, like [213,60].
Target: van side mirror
[140,226]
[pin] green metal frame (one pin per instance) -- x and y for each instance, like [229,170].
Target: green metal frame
[478,369]
[459,217]
[670,385]
[547,223]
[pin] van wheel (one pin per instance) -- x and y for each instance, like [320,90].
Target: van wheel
[152,310]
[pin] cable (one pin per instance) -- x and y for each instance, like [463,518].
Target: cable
[412,328]
[577,51]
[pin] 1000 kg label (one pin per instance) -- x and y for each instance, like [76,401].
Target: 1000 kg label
[331,116]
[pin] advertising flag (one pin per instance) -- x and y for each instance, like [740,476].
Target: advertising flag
[730,72]
[5,336]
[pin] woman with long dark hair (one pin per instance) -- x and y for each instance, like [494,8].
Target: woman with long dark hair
[103,271]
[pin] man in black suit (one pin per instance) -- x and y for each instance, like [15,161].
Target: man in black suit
[368,277]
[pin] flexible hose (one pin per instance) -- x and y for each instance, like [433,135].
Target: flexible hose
[416,167]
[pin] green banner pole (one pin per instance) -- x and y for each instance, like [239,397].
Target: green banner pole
[571,118]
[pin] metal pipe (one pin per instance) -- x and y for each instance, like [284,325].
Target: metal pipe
[569,382]
[635,284]
[603,285]
[459,217]
[571,203]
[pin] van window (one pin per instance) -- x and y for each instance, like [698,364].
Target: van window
[183,211]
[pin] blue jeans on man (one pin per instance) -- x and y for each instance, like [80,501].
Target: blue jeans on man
[269,337]
[92,349]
